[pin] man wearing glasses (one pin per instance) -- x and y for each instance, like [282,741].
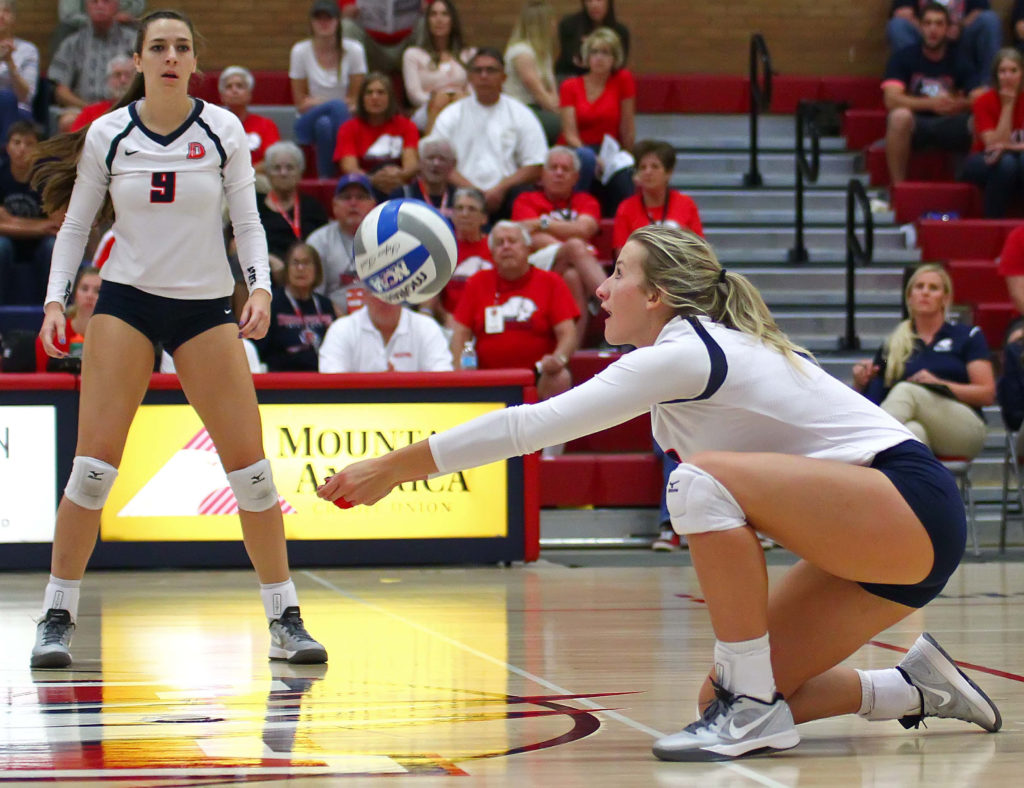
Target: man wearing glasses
[498,142]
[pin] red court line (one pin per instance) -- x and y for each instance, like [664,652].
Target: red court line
[970,665]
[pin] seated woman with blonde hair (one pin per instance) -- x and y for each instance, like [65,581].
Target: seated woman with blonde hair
[931,375]
[529,63]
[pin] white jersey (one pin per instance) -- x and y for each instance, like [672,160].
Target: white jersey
[707,387]
[167,192]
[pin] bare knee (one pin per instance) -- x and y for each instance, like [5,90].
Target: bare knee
[900,122]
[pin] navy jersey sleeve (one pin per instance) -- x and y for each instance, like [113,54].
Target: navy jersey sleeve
[976,348]
[900,66]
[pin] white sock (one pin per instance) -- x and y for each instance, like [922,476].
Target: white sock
[62,594]
[745,667]
[887,695]
[278,596]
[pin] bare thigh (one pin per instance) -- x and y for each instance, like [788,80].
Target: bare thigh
[848,520]
[216,380]
[116,366]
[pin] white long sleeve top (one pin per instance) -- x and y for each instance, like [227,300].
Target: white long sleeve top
[707,387]
[167,192]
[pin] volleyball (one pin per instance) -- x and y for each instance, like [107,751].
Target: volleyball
[405,251]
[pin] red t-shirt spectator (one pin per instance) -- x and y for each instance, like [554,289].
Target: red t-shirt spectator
[986,110]
[534,204]
[531,305]
[679,211]
[89,113]
[376,146]
[262,133]
[72,339]
[603,116]
[473,256]
[1011,259]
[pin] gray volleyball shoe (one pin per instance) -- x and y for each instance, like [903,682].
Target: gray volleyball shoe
[944,689]
[53,640]
[289,640]
[731,726]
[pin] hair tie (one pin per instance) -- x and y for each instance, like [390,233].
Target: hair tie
[721,276]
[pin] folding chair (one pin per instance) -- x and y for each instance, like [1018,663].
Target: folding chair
[1011,466]
[960,467]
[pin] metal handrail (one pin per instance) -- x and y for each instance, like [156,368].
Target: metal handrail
[760,101]
[856,254]
[807,171]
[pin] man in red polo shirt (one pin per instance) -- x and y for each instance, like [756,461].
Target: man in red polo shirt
[561,223]
[519,315]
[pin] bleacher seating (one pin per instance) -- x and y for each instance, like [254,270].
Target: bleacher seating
[614,467]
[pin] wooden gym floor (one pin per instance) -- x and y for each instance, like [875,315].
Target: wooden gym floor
[559,673]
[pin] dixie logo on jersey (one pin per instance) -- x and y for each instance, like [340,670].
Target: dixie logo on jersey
[196,150]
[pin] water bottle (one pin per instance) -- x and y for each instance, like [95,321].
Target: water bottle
[468,359]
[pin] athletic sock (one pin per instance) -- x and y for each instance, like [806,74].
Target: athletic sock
[62,594]
[278,596]
[745,667]
[887,695]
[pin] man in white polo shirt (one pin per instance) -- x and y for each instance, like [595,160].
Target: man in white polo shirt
[498,142]
[384,337]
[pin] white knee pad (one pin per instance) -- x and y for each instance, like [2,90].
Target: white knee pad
[254,487]
[698,503]
[90,482]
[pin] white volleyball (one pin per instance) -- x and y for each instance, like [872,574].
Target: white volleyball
[405,251]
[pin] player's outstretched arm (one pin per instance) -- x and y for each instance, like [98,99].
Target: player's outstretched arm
[368,481]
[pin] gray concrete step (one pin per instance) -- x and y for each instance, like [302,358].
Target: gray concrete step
[818,255]
[831,323]
[770,164]
[817,279]
[687,182]
[725,132]
[784,216]
[731,239]
[764,199]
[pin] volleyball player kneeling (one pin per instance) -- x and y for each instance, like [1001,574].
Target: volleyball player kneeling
[769,441]
[166,160]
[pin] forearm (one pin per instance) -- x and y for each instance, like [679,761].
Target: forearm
[977,395]
[67,98]
[457,179]
[523,175]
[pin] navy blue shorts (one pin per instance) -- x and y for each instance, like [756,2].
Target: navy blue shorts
[931,492]
[170,322]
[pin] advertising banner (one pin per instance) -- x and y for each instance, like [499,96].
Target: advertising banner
[171,486]
[28,451]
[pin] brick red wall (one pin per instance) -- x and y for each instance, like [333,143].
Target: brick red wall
[670,36]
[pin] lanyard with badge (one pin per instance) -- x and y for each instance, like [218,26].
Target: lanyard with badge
[307,335]
[494,318]
[294,222]
[664,209]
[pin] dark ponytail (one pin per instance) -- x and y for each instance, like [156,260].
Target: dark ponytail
[56,159]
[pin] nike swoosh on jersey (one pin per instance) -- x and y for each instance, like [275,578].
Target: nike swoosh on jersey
[739,731]
[227,311]
[130,152]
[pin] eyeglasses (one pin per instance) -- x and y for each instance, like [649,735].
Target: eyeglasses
[282,168]
[486,70]
[466,209]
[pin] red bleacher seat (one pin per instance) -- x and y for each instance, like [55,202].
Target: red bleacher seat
[858,93]
[912,199]
[322,189]
[862,127]
[601,480]
[926,165]
[993,319]
[968,239]
[788,90]
[976,281]
[270,87]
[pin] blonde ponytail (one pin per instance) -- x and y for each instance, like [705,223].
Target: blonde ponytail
[682,267]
